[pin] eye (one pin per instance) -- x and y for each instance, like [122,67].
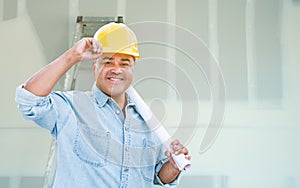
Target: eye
[124,64]
[107,62]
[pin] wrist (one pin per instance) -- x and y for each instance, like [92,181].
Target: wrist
[168,173]
[71,57]
[173,168]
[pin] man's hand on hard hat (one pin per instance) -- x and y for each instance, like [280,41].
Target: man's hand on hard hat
[86,49]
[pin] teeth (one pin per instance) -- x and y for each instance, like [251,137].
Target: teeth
[114,79]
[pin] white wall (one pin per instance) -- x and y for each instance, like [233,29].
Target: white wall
[24,147]
[258,145]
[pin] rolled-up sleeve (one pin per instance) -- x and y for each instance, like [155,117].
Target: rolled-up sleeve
[157,180]
[42,109]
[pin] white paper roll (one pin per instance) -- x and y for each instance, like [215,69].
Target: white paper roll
[154,125]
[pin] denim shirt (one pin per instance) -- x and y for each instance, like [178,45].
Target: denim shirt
[97,145]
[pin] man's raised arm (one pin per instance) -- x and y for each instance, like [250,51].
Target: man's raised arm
[43,81]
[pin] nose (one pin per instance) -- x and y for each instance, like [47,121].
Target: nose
[116,69]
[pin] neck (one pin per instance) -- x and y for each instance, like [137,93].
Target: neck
[120,100]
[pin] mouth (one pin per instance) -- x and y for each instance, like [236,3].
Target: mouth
[114,79]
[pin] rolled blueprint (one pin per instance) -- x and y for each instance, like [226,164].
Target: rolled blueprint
[155,126]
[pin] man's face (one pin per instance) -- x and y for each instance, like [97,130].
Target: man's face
[113,73]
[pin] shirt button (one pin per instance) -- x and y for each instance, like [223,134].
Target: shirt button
[118,112]
[126,128]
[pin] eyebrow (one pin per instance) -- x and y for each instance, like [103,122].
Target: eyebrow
[108,58]
[111,58]
[125,59]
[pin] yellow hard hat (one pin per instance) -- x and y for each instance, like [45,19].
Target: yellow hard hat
[117,38]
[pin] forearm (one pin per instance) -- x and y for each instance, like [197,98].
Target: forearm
[42,82]
[168,173]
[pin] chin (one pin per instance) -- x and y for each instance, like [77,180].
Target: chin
[116,92]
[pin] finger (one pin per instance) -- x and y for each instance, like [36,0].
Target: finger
[96,46]
[88,43]
[180,149]
[188,157]
[175,147]
[185,151]
[168,154]
[175,142]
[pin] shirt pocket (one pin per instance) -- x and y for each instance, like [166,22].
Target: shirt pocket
[149,159]
[91,146]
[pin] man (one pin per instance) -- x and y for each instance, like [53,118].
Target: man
[102,140]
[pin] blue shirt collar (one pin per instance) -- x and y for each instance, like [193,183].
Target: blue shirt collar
[101,98]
